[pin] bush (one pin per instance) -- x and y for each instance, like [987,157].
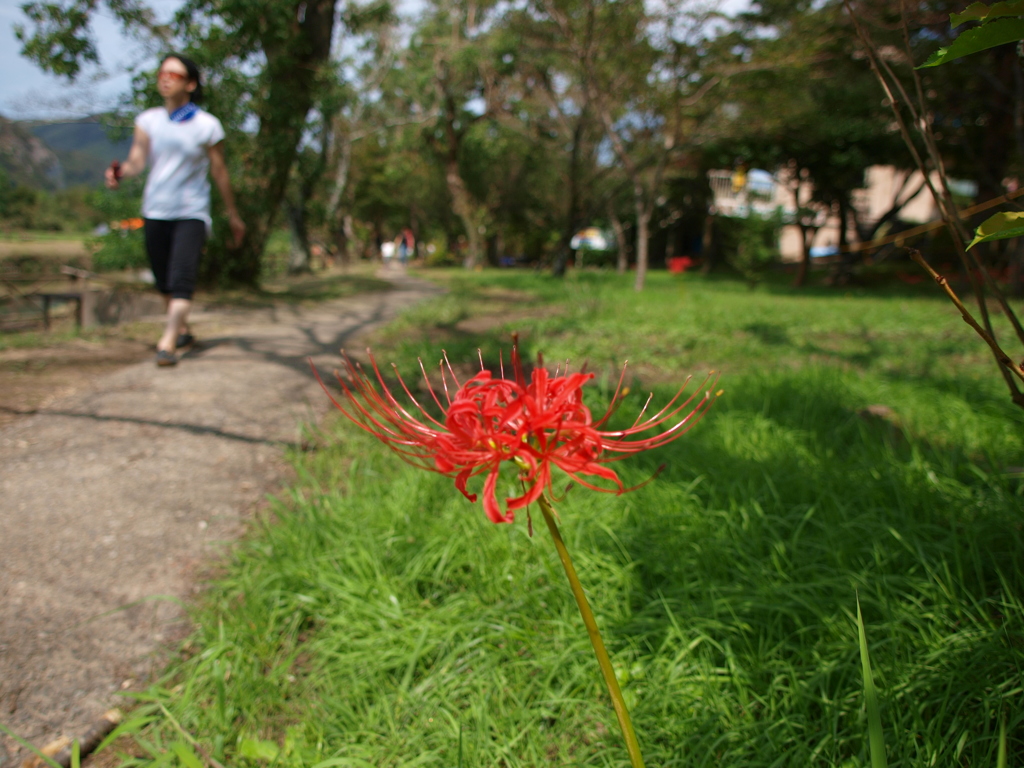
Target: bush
[751,245]
[120,249]
[440,256]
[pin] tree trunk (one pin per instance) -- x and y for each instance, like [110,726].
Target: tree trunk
[495,250]
[806,237]
[298,253]
[349,228]
[294,58]
[558,266]
[343,235]
[707,244]
[843,271]
[340,241]
[468,210]
[472,258]
[572,214]
[643,221]
[341,229]
[622,257]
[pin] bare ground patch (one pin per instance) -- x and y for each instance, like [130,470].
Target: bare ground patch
[30,378]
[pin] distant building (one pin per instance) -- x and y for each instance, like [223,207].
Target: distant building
[763,193]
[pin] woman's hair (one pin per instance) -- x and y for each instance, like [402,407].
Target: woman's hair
[193,74]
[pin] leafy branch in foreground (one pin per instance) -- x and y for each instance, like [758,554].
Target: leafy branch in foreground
[1001,356]
[988,34]
[914,111]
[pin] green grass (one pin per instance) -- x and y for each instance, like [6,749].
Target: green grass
[376,618]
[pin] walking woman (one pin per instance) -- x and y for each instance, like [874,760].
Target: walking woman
[183,146]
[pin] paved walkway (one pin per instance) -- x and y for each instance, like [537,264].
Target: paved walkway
[113,500]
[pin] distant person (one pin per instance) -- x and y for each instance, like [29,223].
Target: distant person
[183,146]
[387,252]
[406,245]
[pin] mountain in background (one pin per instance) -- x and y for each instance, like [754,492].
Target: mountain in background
[26,160]
[55,154]
[85,147]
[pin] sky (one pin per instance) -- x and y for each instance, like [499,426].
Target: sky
[28,93]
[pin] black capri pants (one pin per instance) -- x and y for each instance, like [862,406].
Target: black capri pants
[174,248]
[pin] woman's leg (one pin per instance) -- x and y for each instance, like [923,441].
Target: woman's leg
[157,235]
[177,322]
[186,247]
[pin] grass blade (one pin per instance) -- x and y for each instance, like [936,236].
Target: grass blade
[188,758]
[28,745]
[1001,759]
[875,737]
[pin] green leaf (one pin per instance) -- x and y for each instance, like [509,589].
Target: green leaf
[999,227]
[29,746]
[978,39]
[258,750]
[982,12]
[875,737]
[133,726]
[188,758]
[1001,757]
[159,760]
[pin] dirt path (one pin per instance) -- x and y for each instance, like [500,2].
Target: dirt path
[113,497]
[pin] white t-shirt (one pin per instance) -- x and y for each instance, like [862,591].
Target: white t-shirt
[178,186]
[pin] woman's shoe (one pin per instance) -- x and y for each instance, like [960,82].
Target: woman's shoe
[163,358]
[185,340]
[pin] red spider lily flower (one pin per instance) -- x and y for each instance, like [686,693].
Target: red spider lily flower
[536,424]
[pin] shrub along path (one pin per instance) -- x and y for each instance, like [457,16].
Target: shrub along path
[115,497]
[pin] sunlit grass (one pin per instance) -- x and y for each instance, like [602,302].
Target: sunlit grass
[375,614]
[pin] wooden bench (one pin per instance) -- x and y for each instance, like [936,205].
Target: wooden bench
[31,280]
[80,293]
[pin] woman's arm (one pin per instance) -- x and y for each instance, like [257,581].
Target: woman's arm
[136,162]
[219,172]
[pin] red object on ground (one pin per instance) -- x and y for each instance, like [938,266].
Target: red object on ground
[115,166]
[679,264]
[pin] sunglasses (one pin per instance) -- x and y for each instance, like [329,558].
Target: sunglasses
[165,75]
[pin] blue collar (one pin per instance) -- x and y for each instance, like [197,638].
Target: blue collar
[181,114]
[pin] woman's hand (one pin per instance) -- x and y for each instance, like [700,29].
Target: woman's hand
[219,172]
[110,177]
[134,165]
[237,228]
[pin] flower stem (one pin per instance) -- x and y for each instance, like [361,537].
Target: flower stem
[632,746]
